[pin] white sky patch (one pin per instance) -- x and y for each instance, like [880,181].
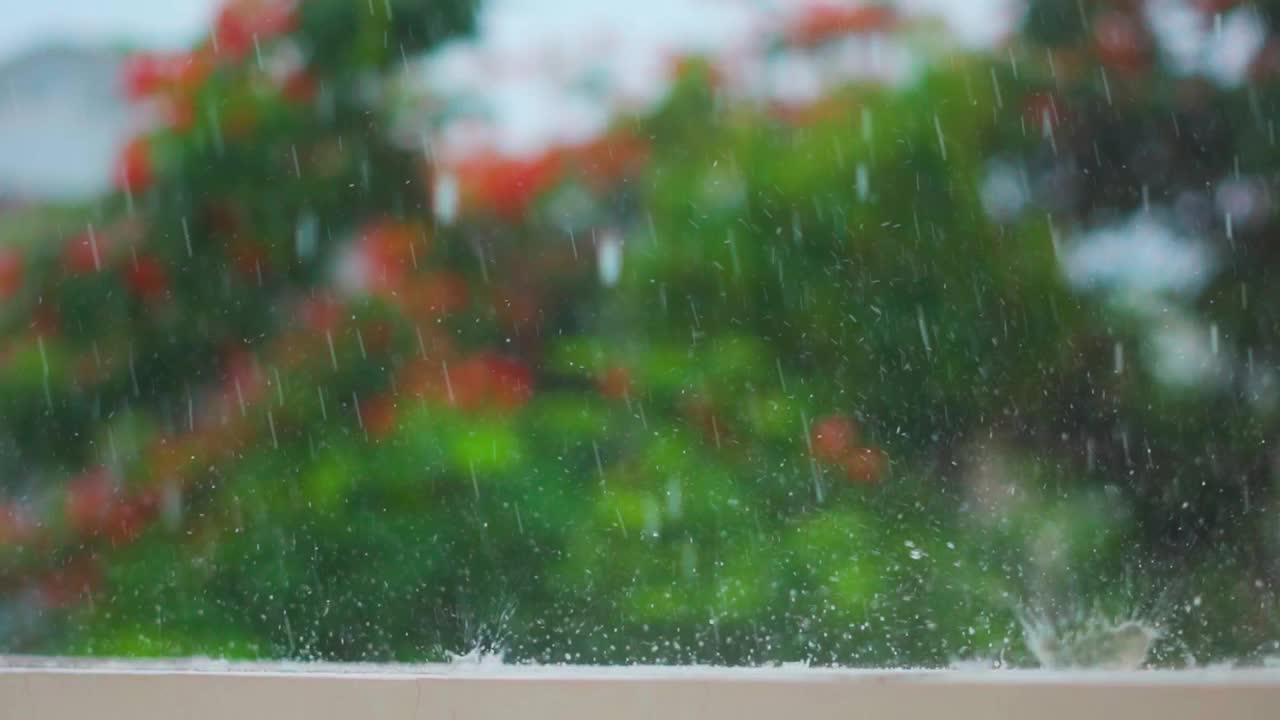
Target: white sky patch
[1183,352]
[1143,256]
[509,25]
[1220,47]
[977,23]
[537,72]
[166,24]
[1233,47]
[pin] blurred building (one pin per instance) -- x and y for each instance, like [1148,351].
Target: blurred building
[62,118]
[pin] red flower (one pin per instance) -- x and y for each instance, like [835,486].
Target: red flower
[512,382]
[86,253]
[133,168]
[223,218]
[11,271]
[65,586]
[15,526]
[180,113]
[299,87]
[610,158]
[240,22]
[1121,42]
[439,294]
[232,33]
[45,320]
[147,278]
[148,74]
[820,23]
[388,251]
[424,379]
[864,465]
[1266,62]
[615,383]
[1039,108]
[683,66]
[321,313]
[248,257]
[188,72]
[126,521]
[244,379]
[833,438]
[835,441]
[507,186]
[485,379]
[88,501]
[377,336]
[143,75]
[379,415]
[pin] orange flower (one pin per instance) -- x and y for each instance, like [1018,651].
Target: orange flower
[379,415]
[615,383]
[15,526]
[1121,41]
[299,87]
[45,320]
[12,269]
[833,438]
[439,294]
[864,465]
[244,379]
[512,382]
[86,253]
[485,379]
[683,66]
[88,500]
[188,72]
[148,74]
[147,278]
[320,313]
[423,378]
[126,521]
[377,336]
[133,171]
[391,250]
[610,158]
[507,186]
[65,586]
[143,75]
[1041,107]
[249,257]
[242,22]
[820,23]
[180,113]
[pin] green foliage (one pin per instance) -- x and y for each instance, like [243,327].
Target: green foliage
[834,409]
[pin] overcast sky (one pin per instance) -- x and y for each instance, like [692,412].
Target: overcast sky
[174,23]
[522,67]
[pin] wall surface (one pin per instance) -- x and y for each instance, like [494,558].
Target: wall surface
[141,691]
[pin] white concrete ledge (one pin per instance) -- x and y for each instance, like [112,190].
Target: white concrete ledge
[106,690]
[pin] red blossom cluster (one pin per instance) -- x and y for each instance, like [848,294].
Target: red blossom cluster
[173,81]
[507,186]
[824,22]
[837,442]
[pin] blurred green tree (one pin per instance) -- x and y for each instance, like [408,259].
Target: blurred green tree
[820,382]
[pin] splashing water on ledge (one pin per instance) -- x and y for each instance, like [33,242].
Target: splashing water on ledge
[1095,644]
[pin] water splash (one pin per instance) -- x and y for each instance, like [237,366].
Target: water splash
[1089,640]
